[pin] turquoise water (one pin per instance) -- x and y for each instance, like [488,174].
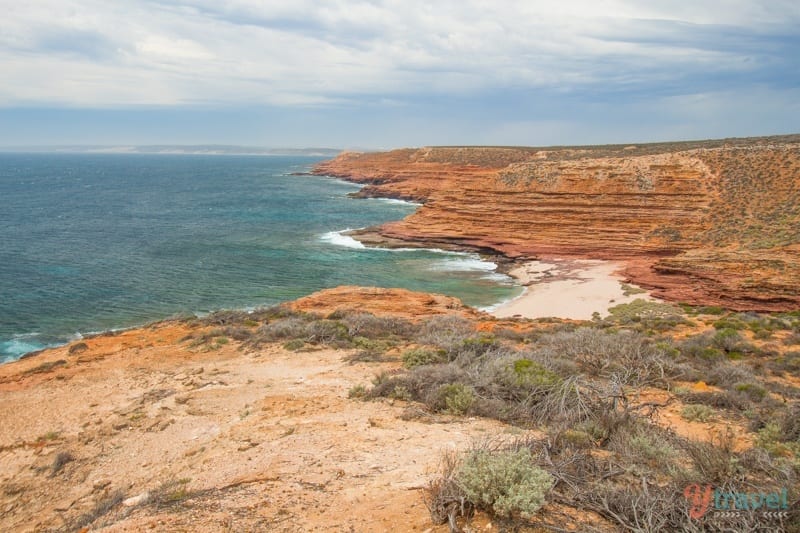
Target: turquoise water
[96,242]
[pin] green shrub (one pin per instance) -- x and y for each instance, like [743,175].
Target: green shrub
[474,347]
[374,327]
[357,391]
[729,323]
[401,392]
[753,391]
[728,339]
[697,412]
[655,315]
[294,345]
[576,438]
[711,310]
[505,483]
[769,438]
[456,398]
[532,374]
[421,356]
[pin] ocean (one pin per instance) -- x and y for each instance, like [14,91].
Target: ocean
[93,242]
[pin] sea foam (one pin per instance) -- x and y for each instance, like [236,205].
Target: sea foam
[339,239]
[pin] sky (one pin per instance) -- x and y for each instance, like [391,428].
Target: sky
[384,74]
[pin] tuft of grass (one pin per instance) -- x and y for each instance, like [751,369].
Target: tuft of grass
[60,460]
[357,391]
[294,345]
[170,492]
[101,508]
[697,412]
[49,436]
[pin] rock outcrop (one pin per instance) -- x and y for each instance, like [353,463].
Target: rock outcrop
[713,222]
[379,301]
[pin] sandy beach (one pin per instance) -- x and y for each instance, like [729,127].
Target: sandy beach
[568,289]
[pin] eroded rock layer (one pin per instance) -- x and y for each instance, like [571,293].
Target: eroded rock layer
[714,222]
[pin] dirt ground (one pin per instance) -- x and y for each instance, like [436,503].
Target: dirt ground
[218,440]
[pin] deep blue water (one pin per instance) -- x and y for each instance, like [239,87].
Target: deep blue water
[96,242]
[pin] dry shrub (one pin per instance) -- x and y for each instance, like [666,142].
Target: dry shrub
[627,356]
[444,498]
[283,329]
[101,508]
[644,508]
[367,325]
[445,331]
[713,462]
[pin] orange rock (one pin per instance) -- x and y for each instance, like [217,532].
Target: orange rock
[714,222]
[379,301]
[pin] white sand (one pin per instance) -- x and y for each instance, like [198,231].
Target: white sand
[567,289]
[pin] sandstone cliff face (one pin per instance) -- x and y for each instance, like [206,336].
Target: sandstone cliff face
[713,222]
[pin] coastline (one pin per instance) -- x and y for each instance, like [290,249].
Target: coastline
[568,288]
[552,287]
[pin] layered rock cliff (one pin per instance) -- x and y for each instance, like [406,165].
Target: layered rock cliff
[713,222]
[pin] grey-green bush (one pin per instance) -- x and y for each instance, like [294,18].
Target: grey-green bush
[505,483]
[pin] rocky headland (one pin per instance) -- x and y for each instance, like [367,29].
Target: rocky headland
[711,222]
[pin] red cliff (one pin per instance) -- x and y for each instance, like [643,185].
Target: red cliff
[713,222]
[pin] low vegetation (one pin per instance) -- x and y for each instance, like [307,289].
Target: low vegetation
[595,392]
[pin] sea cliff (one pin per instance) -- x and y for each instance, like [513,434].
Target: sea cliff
[711,222]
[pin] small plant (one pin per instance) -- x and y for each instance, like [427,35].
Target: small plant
[532,374]
[61,459]
[102,508]
[792,340]
[357,391]
[366,356]
[753,391]
[770,439]
[457,398]
[422,356]
[50,435]
[711,310]
[78,348]
[401,392]
[170,492]
[629,290]
[504,483]
[294,345]
[697,412]
[576,438]
[728,340]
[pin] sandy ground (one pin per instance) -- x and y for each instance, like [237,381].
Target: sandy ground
[265,440]
[566,289]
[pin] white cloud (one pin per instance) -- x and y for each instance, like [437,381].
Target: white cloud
[98,53]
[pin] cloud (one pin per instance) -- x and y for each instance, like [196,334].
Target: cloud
[93,53]
[386,72]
